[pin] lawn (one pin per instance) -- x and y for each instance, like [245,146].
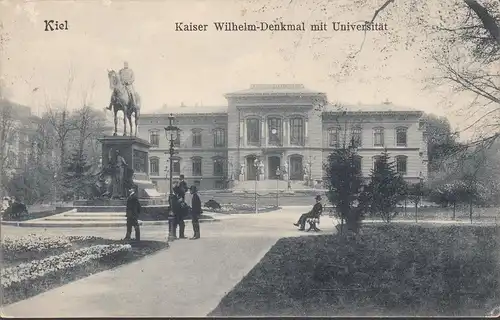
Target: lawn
[34,264]
[390,270]
[236,208]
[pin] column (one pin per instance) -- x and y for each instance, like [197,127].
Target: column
[306,122]
[242,133]
[263,130]
[266,132]
[288,132]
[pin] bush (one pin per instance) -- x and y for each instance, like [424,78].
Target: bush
[212,204]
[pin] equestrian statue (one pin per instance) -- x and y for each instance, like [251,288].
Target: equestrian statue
[124,98]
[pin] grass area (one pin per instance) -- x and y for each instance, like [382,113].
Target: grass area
[36,268]
[235,208]
[388,270]
[37,214]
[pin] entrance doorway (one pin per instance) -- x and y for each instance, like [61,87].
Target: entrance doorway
[273,163]
[251,170]
[296,168]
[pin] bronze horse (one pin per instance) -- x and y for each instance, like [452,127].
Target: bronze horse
[120,100]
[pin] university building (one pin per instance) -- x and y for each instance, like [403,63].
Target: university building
[282,126]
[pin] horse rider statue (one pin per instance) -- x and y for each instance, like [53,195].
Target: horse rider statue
[124,97]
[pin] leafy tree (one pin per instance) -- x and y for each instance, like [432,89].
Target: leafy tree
[78,177]
[386,186]
[344,184]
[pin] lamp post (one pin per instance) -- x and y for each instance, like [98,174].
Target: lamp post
[420,191]
[171,133]
[278,174]
[256,165]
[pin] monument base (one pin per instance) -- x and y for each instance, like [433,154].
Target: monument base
[135,153]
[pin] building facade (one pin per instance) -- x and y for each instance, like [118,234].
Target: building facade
[281,126]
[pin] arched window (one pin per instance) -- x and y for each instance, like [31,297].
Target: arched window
[196,138]
[378,137]
[197,165]
[334,137]
[154,166]
[275,131]
[219,166]
[356,136]
[402,164]
[154,138]
[297,131]
[219,138]
[177,141]
[253,131]
[401,137]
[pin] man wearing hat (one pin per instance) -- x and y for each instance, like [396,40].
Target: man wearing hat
[195,211]
[132,213]
[314,213]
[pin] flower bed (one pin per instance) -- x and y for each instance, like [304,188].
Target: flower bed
[235,208]
[34,264]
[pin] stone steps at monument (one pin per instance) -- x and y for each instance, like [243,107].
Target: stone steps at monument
[94,218]
[95,214]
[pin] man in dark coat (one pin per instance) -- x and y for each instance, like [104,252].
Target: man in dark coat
[314,213]
[180,209]
[132,213]
[195,212]
[183,187]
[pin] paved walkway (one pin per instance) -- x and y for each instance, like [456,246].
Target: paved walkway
[188,279]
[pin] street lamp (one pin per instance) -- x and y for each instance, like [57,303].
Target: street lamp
[256,164]
[420,191]
[171,133]
[278,174]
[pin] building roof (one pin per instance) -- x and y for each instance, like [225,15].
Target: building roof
[274,89]
[382,107]
[188,110]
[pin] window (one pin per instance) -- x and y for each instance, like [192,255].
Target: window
[356,137]
[401,137]
[421,124]
[176,166]
[297,131]
[275,131]
[358,160]
[219,138]
[376,162]
[197,166]
[378,137]
[196,137]
[253,131]
[154,138]
[401,164]
[333,137]
[177,141]
[218,167]
[154,167]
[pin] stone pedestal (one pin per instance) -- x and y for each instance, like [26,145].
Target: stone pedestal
[242,177]
[135,151]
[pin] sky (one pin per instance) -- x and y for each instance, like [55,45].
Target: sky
[173,67]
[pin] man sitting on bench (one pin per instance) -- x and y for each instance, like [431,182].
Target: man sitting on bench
[313,214]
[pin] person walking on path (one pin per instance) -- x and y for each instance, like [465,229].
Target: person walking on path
[314,213]
[195,212]
[132,213]
[180,209]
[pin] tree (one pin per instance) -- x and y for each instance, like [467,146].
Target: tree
[8,128]
[77,176]
[344,184]
[386,186]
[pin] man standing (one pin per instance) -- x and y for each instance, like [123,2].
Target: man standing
[180,209]
[183,187]
[132,213]
[195,212]
[314,213]
[127,78]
